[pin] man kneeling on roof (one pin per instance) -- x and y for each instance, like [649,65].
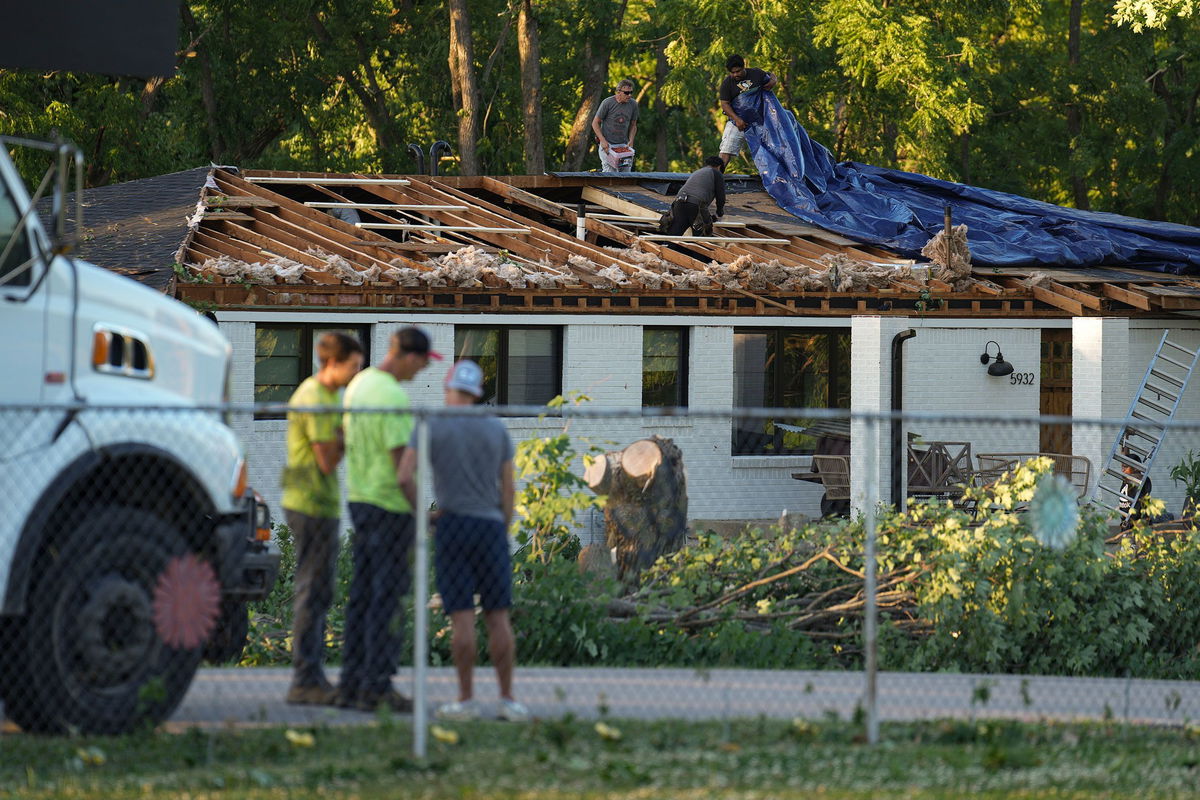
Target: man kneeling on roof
[691,203]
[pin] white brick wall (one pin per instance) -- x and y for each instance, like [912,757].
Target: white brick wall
[942,375]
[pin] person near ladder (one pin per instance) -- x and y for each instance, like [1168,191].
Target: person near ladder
[615,126]
[702,187]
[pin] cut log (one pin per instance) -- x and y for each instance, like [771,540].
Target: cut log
[641,460]
[646,512]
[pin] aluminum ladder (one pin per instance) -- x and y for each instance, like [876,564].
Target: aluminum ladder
[1142,434]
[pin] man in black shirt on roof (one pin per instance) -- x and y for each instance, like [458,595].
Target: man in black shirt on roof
[702,187]
[740,79]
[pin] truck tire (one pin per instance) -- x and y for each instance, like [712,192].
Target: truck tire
[229,638]
[88,656]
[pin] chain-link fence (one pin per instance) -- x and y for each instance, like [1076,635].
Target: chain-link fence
[630,563]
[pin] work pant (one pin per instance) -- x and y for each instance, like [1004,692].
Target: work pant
[374,622]
[683,214]
[316,543]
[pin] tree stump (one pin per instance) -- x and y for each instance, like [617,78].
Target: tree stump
[646,513]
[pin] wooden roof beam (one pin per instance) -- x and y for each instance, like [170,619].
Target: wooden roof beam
[1129,296]
[560,239]
[1048,297]
[327,181]
[303,217]
[1083,298]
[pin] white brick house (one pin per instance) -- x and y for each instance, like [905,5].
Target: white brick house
[590,290]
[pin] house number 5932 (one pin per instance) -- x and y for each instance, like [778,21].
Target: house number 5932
[1022,378]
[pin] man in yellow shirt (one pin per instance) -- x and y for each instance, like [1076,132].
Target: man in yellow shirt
[381,509]
[312,505]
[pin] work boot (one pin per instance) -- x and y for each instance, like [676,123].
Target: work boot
[320,693]
[396,702]
[346,696]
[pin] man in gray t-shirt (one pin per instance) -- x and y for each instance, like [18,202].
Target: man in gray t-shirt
[472,461]
[615,126]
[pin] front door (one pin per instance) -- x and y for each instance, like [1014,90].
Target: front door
[1056,389]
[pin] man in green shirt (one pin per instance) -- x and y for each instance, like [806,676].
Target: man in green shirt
[312,505]
[381,509]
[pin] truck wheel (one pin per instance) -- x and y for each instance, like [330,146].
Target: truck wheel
[91,659]
[229,638]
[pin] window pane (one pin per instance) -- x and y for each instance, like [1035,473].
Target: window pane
[278,363]
[663,367]
[9,217]
[276,341]
[273,394]
[787,369]
[482,346]
[753,387]
[533,370]
[752,382]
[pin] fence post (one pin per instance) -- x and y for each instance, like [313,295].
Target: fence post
[869,610]
[421,595]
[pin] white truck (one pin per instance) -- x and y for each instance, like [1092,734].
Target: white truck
[127,525]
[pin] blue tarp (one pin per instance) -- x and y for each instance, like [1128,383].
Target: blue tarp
[901,211]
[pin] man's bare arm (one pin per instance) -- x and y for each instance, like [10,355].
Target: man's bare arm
[599,136]
[405,461]
[328,455]
[632,132]
[727,107]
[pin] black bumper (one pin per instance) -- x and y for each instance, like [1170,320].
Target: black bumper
[247,567]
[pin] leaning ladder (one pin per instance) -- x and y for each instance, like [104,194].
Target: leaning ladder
[1142,434]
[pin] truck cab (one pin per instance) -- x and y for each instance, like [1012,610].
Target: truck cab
[131,542]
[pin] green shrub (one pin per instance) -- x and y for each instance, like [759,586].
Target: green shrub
[958,592]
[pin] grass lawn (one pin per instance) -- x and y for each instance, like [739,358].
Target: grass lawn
[568,759]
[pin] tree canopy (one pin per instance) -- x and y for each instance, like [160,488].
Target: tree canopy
[1078,102]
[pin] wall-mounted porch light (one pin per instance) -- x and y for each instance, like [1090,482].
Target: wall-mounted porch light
[999,367]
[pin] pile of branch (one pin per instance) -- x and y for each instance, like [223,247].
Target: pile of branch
[808,596]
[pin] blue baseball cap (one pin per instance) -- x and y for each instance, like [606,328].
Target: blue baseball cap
[466,376]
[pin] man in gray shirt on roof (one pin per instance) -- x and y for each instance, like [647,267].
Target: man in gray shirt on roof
[472,461]
[615,125]
[704,185]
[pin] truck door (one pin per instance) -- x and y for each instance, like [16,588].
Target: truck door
[23,307]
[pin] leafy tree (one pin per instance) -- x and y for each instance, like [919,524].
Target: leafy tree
[1142,14]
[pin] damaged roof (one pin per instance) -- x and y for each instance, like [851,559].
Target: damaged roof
[270,239]
[136,228]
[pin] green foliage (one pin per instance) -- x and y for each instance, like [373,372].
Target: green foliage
[998,601]
[988,597]
[1142,14]
[553,495]
[1187,472]
[978,92]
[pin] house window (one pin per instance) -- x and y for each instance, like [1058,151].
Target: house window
[521,366]
[786,368]
[664,367]
[284,355]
